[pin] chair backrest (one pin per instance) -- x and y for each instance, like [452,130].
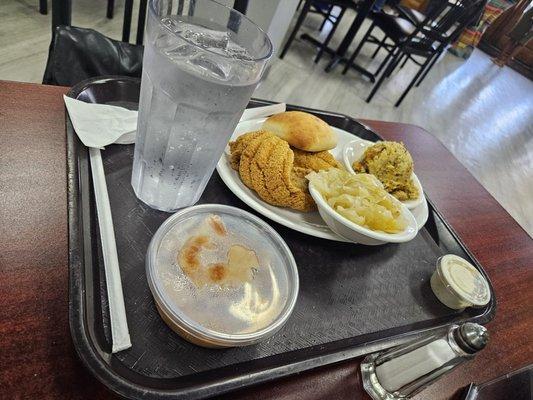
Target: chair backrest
[77,54]
[465,13]
[455,14]
[446,22]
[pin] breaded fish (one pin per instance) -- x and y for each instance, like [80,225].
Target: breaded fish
[315,161]
[279,180]
[248,153]
[259,172]
[275,171]
[237,147]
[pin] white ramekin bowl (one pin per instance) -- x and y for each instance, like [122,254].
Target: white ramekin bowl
[356,233]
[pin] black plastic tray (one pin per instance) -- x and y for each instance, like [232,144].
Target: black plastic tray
[353,299]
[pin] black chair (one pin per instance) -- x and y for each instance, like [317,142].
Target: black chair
[77,54]
[323,8]
[414,16]
[427,40]
[395,27]
[110,9]
[43,7]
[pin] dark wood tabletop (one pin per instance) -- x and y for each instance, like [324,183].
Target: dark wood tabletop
[37,358]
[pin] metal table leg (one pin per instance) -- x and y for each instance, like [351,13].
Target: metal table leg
[362,12]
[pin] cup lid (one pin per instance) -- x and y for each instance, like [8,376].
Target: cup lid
[188,268]
[463,279]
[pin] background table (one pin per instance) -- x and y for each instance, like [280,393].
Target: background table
[363,10]
[37,358]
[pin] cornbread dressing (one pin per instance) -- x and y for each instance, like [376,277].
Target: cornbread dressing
[392,164]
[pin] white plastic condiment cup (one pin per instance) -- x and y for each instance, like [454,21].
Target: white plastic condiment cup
[353,232]
[458,284]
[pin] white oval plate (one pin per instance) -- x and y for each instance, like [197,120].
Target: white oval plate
[354,151]
[309,223]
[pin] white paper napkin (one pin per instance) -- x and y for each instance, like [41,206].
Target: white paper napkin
[98,125]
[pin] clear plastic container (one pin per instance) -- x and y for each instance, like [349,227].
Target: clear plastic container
[222,315]
[458,284]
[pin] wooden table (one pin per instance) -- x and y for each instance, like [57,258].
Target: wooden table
[37,358]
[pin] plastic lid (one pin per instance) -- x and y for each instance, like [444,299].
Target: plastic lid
[236,312]
[464,280]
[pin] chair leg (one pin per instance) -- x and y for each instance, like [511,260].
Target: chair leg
[378,84]
[43,7]
[435,58]
[240,6]
[299,22]
[326,18]
[398,60]
[126,27]
[420,71]
[404,61]
[385,61]
[356,52]
[141,21]
[380,45]
[330,36]
[110,8]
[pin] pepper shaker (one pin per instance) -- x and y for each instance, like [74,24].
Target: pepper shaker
[405,370]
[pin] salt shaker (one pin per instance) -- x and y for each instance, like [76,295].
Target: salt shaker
[405,370]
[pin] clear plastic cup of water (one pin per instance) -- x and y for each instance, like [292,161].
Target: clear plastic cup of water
[202,61]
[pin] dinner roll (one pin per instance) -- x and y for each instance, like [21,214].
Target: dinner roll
[302,130]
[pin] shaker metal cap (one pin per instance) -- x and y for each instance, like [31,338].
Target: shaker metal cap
[472,337]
